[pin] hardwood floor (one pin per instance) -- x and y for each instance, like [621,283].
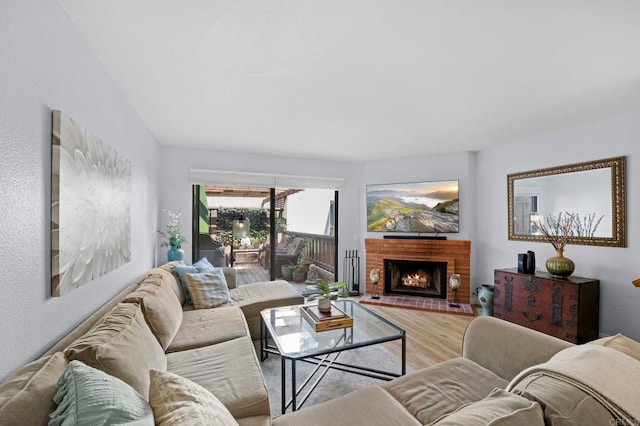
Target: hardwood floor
[432,337]
[246,274]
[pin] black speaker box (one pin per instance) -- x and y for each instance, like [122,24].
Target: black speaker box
[522,263]
[531,262]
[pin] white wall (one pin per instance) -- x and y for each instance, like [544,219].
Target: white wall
[45,64]
[614,267]
[175,193]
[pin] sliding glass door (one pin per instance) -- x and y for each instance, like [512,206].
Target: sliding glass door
[307,238]
[267,233]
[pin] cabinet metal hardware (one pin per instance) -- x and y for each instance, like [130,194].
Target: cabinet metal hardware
[536,317]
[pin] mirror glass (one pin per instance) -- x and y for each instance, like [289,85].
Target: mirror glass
[594,192]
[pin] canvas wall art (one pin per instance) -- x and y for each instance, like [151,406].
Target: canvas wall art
[430,207]
[90,207]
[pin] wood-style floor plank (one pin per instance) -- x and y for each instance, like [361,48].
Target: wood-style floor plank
[247,274]
[432,337]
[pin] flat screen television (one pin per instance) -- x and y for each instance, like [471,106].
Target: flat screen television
[417,207]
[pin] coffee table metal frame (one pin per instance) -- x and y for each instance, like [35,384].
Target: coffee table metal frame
[328,345]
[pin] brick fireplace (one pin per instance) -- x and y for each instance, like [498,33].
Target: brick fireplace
[456,254]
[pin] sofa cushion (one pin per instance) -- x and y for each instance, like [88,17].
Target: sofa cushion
[620,343]
[87,396]
[264,420]
[368,406]
[161,308]
[122,345]
[170,278]
[207,289]
[31,390]
[499,408]
[562,403]
[202,265]
[230,370]
[178,401]
[206,327]
[253,298]
[435,391]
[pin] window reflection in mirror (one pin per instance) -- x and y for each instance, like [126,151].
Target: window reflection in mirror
[595,192]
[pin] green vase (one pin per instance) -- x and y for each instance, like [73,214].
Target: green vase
[559,265]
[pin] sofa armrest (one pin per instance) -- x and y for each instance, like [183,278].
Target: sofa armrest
[506,348]
[230,276]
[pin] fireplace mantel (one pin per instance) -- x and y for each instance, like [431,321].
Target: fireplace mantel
[456,253]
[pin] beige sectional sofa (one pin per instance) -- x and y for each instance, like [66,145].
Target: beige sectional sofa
[146,327]
[507,375]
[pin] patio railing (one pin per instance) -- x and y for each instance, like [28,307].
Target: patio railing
[320,248]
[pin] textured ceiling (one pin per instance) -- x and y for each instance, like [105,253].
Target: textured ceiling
[361,80]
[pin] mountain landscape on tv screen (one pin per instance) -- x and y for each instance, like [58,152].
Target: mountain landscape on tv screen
[419,210]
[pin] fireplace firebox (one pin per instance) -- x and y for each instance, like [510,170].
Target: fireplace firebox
[415,278]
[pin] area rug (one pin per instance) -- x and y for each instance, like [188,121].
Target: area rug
[335,383]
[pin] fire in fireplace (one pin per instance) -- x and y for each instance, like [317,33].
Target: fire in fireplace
[415,278]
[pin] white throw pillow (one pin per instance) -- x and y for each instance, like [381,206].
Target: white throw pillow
[179,401]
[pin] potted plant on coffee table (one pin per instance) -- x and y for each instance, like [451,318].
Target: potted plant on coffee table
[326,292]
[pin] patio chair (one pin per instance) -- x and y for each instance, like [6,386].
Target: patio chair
[286,254]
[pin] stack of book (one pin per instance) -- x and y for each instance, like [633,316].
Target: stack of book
[323,321]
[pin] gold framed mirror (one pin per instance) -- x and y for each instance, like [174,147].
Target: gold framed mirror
[594,191]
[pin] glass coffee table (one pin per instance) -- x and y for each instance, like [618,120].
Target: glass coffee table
[285,332]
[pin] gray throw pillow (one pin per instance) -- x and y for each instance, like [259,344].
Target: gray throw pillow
[202,265]
[208,289]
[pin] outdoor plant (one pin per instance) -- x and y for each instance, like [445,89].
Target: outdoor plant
[301,267]
[172,231]
[258,217]
[330,290]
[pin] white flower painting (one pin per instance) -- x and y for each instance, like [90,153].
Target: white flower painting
[90,207]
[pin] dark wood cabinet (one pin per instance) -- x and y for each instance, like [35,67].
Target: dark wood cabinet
[567,308]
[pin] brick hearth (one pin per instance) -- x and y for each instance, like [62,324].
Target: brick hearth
[456,253]
[418,303]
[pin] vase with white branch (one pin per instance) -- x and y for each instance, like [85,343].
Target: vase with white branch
[587,225]
[173,236]
[558,230]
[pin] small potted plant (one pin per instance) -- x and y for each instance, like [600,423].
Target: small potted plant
[326,292]
[299,272]
[287,271]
